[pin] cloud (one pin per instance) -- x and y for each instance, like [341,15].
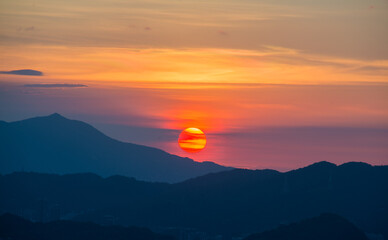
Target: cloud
[25,72]
[26,29]
[377,70]
[223,33]
[63,85]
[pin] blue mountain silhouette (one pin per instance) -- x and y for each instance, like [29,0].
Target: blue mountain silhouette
[323,227]
[55,144]
[16,228]
[236,202]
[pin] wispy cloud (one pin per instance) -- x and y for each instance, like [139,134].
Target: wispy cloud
[207,67]
[375,70]
[250,24]
[63,85]
[223,33]
[26,29]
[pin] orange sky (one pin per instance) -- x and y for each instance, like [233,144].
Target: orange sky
[216,89]
[222,66]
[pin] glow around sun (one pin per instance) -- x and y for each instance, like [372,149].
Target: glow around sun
[192,140]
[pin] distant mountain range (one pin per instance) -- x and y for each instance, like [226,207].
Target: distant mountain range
[324,227]
[55,144]
[15,228]
[235,202]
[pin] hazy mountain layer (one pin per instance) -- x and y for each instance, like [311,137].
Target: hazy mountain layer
[231,202]
[54,144]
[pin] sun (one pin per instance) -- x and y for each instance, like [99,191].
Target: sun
[192,140]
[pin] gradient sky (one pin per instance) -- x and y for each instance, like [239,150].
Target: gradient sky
[273,84]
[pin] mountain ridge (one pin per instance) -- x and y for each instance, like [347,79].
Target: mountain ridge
[232,202]
[326,226]
[55,144]
[14,227]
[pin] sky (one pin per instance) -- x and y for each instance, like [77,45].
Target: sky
[273,84]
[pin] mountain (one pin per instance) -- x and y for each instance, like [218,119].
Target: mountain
[235,202]
[54,144]
[16,228]
[326,226]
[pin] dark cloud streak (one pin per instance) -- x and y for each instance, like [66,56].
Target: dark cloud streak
[63,85]
[24,72]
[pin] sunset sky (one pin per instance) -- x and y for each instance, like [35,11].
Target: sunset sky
[273,84]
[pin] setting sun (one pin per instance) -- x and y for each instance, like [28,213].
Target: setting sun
[192,140]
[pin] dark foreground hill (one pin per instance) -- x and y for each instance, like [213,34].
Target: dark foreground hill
[235,202]
[55,144]
[16,228]
[324,227]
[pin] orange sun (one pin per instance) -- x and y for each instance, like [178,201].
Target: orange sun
[192,140]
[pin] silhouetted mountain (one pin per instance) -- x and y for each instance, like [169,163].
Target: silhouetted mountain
[235,202]
[54,144]
[16,228]
[324,227]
